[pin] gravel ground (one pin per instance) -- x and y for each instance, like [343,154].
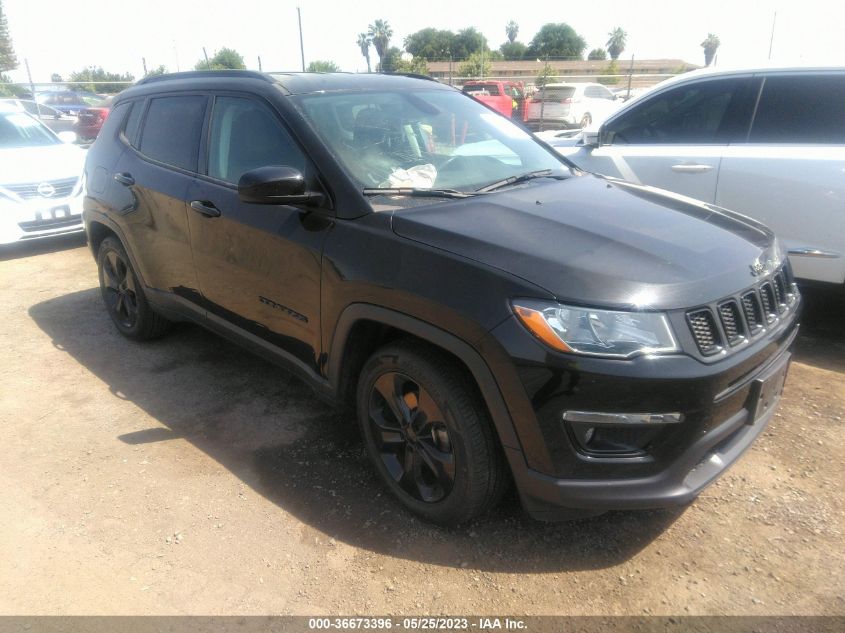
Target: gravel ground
[189,477]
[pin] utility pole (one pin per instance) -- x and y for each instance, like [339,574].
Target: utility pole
[259,64]
[630,75]
[32,88]
[772,40]
[144,64]
[207,63]
[301,46]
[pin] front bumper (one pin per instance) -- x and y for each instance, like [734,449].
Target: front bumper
[559,478]
[40,218]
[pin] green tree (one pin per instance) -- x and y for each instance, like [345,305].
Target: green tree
[513,50]
[710,46]
[94,79]
[433,44]
[161,70]
[321,66]
[468,41]
[417,65]
[611,69]
[476,66]
[225,58]
[380,34]
[56,78]
[547,75]
[557,40]
[512,30]
[364,45]
[390,61]
[597,54]
[8,59]
[616,41]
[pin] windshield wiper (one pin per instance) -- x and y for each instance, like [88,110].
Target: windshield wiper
[513,180]
[418,192]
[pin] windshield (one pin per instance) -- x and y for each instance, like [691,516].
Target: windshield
[18,129]
[426,139]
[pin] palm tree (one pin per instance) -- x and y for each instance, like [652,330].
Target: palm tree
[364,45]
[380,34]
[616,43]
[710,45]
[512,29]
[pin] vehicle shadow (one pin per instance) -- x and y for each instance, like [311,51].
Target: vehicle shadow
[269,430]
[31,248]
[821,342]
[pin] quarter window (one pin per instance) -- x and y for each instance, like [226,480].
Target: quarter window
[704,112]
[172,130]
[245,135]
[130,130]
[801,109]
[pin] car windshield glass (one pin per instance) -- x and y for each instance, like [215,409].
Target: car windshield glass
[18,129]
[425,139]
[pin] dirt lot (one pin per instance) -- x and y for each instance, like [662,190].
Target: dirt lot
[188,477]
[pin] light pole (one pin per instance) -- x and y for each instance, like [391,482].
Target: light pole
[301,46]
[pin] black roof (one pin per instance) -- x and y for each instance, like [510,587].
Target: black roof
[301,83]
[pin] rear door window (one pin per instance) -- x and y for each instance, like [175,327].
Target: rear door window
[555,93]
[706,112]
[801,109]
[172,130]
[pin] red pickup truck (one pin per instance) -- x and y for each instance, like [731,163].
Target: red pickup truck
[506,97]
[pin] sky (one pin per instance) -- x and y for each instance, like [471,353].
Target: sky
[63,36]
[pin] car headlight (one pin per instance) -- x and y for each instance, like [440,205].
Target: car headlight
[594,332]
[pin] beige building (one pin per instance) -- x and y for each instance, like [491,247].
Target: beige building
[644,73]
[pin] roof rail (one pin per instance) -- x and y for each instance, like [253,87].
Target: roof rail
[199,74]
[413,76]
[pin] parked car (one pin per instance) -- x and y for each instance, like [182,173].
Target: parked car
[90,120]
[40,185]
[488,312]
[49,116]
[564,105]
[769,143]
[68,101]
[506,97]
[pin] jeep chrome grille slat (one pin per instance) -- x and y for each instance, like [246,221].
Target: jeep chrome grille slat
[735,320]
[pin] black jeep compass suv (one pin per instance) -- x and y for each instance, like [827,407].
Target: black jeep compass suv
[490,312]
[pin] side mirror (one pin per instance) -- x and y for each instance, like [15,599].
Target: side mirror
[590,137]
[67,137]
[276,184]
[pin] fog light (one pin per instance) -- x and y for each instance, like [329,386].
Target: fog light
[596,417]
[601,434]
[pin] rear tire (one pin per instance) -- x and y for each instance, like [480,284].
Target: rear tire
[124,296]
[429,434]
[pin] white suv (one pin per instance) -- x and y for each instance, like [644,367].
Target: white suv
[769,143]
[570,105]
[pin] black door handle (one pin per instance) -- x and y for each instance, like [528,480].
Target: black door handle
[125,179]
[205,208]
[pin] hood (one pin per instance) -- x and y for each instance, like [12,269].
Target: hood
[602,242]
[39,164]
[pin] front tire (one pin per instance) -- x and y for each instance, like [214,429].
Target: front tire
[123,295]
[428,434]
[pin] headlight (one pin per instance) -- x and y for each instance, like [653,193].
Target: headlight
[593,332]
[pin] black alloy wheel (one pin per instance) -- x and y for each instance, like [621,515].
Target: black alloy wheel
[412,438]
[120,295]
[428,433]
[124,295]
